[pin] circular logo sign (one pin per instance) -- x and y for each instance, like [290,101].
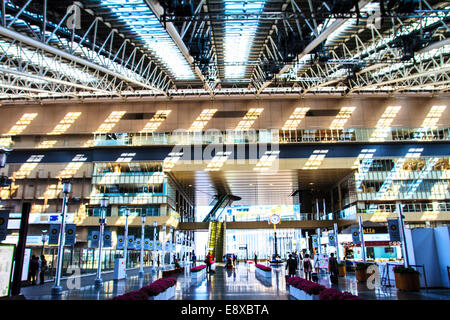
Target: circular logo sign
[54,231]
[2,221]
[120,240]
[331,238]
[355,233]
[70,231]
[393,227]
[95,237]
[107,236]
[275,219]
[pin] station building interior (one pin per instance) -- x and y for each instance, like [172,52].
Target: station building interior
[258,131]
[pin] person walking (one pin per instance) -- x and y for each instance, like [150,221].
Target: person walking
[234,260]
[34,269]
[158,260]
[42,270]
[333,268]
[307,267]
[291,266]
[256,259]
[194,259]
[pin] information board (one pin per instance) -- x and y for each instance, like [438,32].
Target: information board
[6,264]
[323,261]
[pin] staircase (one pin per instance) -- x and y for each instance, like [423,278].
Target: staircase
[216,239]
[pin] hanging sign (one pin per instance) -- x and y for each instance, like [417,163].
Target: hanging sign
[151,245]
[355,236]
[158,245]
[394,232]
[4,216]
[120,244]
[138,244]
[167,246]
[94,239]
[315,241]
[131,242]
[146,244]
[331,239]
[70,239]
[107,242]
[53,235]
[174,247]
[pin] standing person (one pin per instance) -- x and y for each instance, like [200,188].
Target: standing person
[158,261]
[291,265]
[34,269]
[256,259]
[42,270]
[307,267]
[333,268]
[194,259]
[234,259]
[208,261]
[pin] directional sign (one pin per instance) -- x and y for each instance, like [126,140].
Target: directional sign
[53,235]
[355,236]
[107,242]
[120,244]
[95,235]
[70,239]
[394,233]
[4,216]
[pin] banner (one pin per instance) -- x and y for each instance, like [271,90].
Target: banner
[331,239]
[158,245]
[355,236]
[4,216]
[94,239]
[53,234]
[70,238]
[394,232]
[131,242]
[120,244]
[151,245]
[146,244]
[138,244]
[167,246]
[174,247]
[107,242]
[315,241]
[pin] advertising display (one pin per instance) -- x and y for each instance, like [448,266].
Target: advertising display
[26,264]
[151,245]
[167,246]
[315,241]
[158,245]
[323,261]
[146,244]
[6,265]
[331,239]
[138,244]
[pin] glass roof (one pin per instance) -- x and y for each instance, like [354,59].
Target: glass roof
[140,18]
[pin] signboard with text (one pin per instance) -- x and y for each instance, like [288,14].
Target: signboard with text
[6,265]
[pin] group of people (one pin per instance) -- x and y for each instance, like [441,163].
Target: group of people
[294,261]
[37,267]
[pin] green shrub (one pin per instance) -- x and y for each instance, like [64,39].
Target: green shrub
[401,269]
[362,266]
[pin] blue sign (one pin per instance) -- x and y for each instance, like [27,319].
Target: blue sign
[146,244]
[95,235]
[53,218]
[315,241]
[70,239]
[4,216]
[393,229]
[158,245]
[120,244]
[138,244]
[131,242]
[355,236]
[107,242]
[151,245]
[53,235]
[331,239]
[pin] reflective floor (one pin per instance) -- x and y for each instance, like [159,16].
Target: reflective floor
[239,284]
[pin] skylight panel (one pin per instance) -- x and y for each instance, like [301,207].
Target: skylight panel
[138,16]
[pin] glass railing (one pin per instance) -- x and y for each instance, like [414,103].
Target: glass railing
[408,207]
[273,136]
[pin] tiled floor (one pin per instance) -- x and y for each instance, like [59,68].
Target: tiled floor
[238,284]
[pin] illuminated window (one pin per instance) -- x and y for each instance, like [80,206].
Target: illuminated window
[315,160]
[22,124]
[383,125]
[156,121]
[344,114]
[248,120]
[218,161]
[294,120]
[266,160]
[65,123]
[202,119]
[110,122]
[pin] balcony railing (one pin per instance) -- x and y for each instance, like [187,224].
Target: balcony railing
[272,136]
[408,207]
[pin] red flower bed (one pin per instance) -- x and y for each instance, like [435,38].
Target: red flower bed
[263,267]
[150,290]
[170,272]
[334,294]
[198,268]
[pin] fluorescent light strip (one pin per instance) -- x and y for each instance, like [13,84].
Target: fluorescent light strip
[65,123]
[315,160]
[137,16]
[294,120]
[202,119]
[383,125]
[110,122]
[218,161]
[22,124]
[342,117]
[248,120]
[239,36]
[156,121]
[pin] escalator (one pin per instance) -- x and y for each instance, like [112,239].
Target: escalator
[216,239]
[220,203]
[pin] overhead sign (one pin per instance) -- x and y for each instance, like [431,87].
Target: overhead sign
[4,216]
[70,239]
[120,244]
[355,236]
[146,244]
[394,232]
[131,242]
[331,239]
[53,235]
[94,239]
[107,242]
[6,265]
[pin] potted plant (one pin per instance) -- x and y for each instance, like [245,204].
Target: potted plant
[342,269]
[407,279]
[361,271]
